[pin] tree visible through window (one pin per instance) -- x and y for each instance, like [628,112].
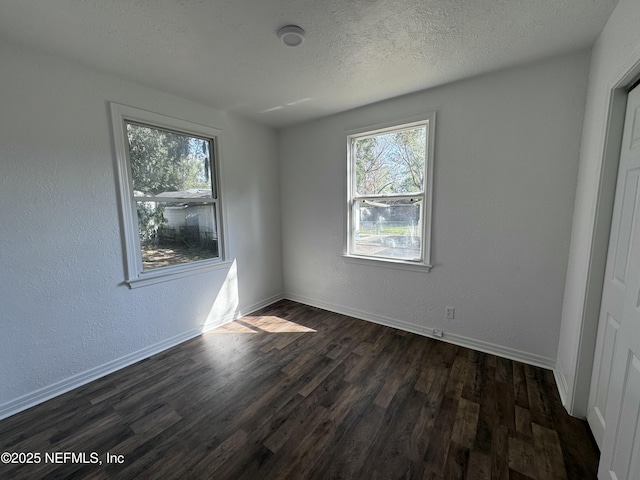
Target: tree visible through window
[174,190]
[389,193]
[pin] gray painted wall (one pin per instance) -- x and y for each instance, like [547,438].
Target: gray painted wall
[506,161]
[66,315]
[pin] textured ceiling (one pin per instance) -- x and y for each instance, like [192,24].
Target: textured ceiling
[225,53]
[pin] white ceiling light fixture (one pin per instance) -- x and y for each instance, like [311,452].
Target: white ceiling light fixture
[291,35]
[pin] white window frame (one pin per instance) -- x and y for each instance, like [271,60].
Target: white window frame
[426,197]
[135,275]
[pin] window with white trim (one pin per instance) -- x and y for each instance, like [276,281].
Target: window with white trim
[170,195]
[390,192]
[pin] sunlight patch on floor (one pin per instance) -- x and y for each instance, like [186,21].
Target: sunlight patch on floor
[275,325]
[233,327]
[269,324]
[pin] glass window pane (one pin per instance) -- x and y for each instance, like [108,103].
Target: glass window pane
[388,229]
[170,164]
[391,162]
[176,233]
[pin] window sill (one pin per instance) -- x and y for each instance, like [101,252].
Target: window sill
[387,263]
[166,274]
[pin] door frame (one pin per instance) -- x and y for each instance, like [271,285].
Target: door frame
[618,86]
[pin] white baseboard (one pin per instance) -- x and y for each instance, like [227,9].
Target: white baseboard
[561,382]
[58,388]
[480,345]
[258,305]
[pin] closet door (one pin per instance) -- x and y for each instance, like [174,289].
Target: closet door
[614,402]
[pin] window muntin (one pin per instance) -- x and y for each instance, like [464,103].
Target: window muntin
[389,194]
[170,195]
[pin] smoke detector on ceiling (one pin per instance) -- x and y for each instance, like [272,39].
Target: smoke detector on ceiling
[291,35]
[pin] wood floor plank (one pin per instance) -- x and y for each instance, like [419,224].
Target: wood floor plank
[579,463]
[156,421]
[523,422]
[474,376]
[541,413]
[515,475]
[457,462]
[423,431]
[438,448]
[522,457]
[455,383]
[212,465]
[388,391]
[505,403]
[479,466]
[466,423]
[427,375]
[294,391]
[488,417]
[317,379]
[292,426]
[301,451]
[520,392]
[394,448]
[347,457]
[500,453]
[549,453]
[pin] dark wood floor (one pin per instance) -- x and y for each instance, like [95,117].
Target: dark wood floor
[297,392]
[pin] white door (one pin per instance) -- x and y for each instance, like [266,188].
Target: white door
[614,401]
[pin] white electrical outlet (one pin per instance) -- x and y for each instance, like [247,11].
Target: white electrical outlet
[437,333]
[450,312]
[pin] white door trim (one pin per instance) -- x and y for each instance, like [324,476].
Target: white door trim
[578,392]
